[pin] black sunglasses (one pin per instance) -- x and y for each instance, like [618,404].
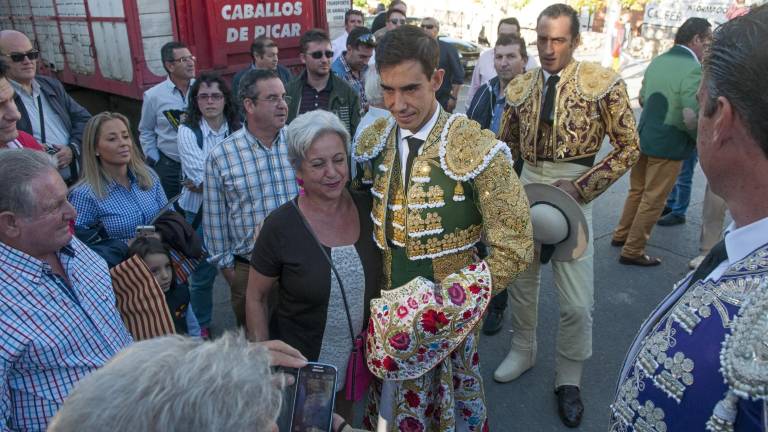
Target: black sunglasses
[367,39]
[317,55]
[19,57]
[397,21]
[428,26]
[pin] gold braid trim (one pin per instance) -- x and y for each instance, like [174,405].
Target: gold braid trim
[521,87]
[372,140]
[466,149]
[593,81]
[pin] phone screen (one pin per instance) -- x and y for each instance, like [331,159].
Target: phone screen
[313,402]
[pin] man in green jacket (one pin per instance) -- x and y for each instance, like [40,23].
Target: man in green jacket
[319,88]
[667,131]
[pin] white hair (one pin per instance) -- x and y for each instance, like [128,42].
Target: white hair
[373,87]
[18,169]
[306,128]
[174,383]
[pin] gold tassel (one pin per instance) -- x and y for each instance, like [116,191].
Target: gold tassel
[458,192]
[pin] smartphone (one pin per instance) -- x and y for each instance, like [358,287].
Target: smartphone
[145,230]
[314,398]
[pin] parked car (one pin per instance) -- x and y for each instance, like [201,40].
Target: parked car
[469,52]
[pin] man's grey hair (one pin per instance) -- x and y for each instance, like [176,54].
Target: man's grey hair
[18,168]
[174,383]
[373,87]
[306,128]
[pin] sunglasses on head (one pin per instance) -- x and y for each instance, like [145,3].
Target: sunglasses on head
[19,57]
[367,39]
[397,21]
[428,26]
[317,55]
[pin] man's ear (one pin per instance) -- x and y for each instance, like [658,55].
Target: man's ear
[9,226]
[723,121]
[437,79]
[303,58]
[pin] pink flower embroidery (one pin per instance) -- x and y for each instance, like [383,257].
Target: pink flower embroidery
[457,294]
[412,303]
[390,364]
[410,424]
[400,341]
[432,321]
[402,311]
[412,399]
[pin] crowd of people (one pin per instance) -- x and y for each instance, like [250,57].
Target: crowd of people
[350,211]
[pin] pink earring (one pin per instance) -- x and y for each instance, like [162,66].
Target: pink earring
[300,182]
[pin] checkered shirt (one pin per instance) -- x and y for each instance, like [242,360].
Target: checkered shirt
[342,69]
[244,182]
[122,210]
[52,334]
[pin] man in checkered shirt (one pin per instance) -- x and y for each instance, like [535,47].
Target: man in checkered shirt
[58,321]
[246,177]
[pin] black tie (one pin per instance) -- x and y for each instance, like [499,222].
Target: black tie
[713,259]
[413,149]
[549,99]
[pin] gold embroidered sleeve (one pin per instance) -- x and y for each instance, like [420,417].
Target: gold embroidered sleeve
[506,221]
[509,130]
[620,126]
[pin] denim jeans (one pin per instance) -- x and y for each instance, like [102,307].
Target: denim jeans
[680,196]
[201,283]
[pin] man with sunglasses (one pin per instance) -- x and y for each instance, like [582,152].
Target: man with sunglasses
[10,137]
[352,65]
[396,17]
[47,112]
[162,111]
[317,87]
[381,19]
[448,93]
[353,18]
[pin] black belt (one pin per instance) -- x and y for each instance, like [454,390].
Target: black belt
[588,161]
[243,260]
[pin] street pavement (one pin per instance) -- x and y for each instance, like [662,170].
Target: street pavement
[624,297]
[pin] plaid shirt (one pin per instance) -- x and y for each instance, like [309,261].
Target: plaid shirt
[343,71]
[52,334]
[122,209]
[244,182]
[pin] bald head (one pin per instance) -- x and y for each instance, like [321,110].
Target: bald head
[431,26]
[16,42]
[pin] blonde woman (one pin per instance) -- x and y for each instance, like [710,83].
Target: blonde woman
[116,188]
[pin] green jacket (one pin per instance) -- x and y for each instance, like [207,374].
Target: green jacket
[343,101]
[669,86]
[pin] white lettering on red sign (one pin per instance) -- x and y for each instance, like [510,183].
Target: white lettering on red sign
[262,10]
[249,11]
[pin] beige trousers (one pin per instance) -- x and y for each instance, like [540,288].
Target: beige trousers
[650,181]
[713,216]
[574,281]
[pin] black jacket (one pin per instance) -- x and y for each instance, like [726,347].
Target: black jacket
[483,103]
[71,113]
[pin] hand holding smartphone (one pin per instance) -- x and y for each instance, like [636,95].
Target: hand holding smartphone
[313,402]
[145,231]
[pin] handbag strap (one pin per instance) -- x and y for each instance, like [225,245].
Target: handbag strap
[333,267]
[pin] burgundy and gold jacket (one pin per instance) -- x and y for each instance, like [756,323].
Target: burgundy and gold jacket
[591,102]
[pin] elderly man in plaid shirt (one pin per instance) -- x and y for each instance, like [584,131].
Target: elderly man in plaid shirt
[58,321]
[246,177]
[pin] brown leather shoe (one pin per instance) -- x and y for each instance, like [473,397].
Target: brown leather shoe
[642,261]
[569,405]
[617,243]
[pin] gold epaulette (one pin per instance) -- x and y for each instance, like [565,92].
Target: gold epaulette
[372,140]
[594,81]
[521,87]
[466,149]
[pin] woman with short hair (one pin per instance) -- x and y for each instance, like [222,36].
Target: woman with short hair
[314,312]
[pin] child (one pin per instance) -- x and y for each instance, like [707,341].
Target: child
[156,256]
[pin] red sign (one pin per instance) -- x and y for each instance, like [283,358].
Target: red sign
[240,22]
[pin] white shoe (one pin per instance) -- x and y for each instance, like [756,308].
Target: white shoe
[521,357]
[696,262]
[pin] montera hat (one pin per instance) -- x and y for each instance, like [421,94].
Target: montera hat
[559,226]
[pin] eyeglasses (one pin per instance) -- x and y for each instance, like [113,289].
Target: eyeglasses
[214,97]
[317,55]
[17,57]
[428,26]
[185,59]
[367,39]
[273,99]
[397,21]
